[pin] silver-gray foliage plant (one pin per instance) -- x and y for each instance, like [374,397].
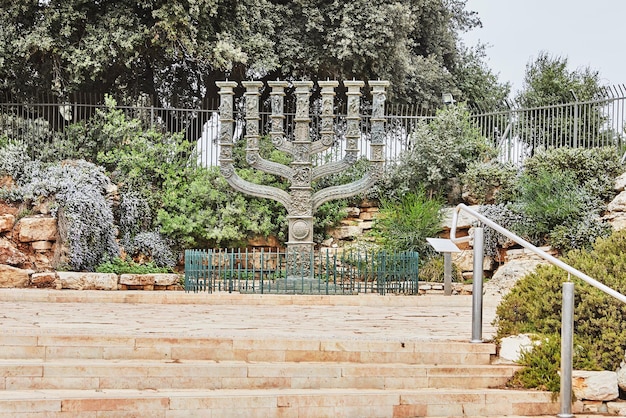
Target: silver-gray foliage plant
[85,216]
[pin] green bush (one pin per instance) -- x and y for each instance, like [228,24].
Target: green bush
[534,305]
[489,182]
[203,210]
[506,218]
[595,169]
[119,265]
[548,200]
[581,234]
[404,225]
[440,150]
[433,269]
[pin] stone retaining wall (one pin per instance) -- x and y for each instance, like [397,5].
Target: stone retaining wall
[14,277]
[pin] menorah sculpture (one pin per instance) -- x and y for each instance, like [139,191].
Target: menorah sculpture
[301,202]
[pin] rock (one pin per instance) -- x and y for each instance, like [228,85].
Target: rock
[368,214]
[41,245]
[261,241]
[464,220]
[526,254]
[620,183]
[37,229]
[10,254]
[595,386]
[43,206]
[618,204]
[165,279]
[86,281]
[327,242]
[42,280]
[508,274]
[511,348]
[136,279]
[345,232]
[616,219]
[621,376]
[465,261]
[7,221]
[616,408]
[14,277]
[353,212]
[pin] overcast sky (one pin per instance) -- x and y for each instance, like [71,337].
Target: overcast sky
[588,33]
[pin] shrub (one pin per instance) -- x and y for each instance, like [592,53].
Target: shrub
[119,265]
[203,210]
[595,168]
[439,151]
[152,245]
[405,224]
[433,270]
[506,218]
[550,199]
[488,182]
[534,305]
[84,215]
[581,234]
[13,159]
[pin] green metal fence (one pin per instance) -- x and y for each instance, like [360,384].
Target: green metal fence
[330,272]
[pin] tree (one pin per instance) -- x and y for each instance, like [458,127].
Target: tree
[549,82]
[480,87]
[174,50]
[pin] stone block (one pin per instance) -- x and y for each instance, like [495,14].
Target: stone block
[42,280]
[41,245]
[37,229]
[508,274]
[164,279]
[10,254]
[595,386]
[511,348]
[346,232]
[618,204]
[14,277]
[464,221]
[620,183]
[353,212]
[465,261]
[7,221]
[136,279]
[87,281]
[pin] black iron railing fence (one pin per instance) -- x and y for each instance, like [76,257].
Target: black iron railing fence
[330,271]
[516,132]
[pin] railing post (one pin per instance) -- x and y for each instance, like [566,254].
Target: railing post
[567,344]
[477,287]
[447,274]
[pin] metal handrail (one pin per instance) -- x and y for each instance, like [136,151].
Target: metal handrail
[567,311]
[534,249]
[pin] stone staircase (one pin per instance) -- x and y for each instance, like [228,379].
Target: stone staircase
[85,368]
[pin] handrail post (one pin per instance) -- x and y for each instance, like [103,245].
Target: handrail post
[477,286]
[447,274]
[567,344]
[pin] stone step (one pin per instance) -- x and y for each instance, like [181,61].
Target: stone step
[50,347]
[143,374]
[283,403]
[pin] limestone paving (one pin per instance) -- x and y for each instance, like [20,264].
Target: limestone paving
[136,313]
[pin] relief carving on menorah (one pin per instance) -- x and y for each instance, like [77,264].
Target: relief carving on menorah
[301,201]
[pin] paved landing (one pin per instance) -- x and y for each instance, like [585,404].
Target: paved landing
[371,317]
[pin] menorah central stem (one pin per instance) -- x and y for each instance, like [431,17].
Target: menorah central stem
[301,202]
